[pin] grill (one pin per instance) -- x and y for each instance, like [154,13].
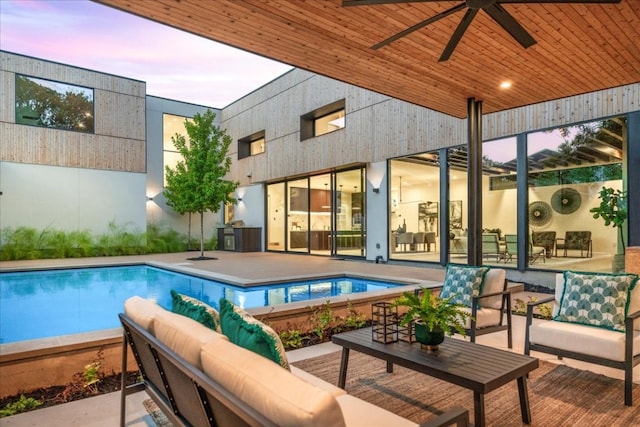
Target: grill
[229,243]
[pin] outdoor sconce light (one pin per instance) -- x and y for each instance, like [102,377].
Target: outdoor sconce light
[239,199]
[376,190]
[149,199]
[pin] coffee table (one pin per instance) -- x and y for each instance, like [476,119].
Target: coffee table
[469,365]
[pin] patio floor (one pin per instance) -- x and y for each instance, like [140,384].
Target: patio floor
[104,410]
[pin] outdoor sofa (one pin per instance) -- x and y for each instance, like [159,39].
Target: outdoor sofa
[584,325]
[198,377]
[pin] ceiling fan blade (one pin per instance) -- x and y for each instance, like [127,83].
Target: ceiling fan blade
[508,22]
[458,33]
[418,26]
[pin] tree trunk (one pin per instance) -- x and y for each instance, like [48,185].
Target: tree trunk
[202,234]
[189,234]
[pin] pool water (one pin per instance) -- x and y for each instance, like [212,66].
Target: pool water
[41,304]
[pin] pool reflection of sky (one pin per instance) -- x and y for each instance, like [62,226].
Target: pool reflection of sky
[51,303]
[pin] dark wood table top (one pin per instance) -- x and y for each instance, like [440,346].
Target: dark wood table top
[473,366]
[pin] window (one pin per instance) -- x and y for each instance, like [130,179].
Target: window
[171,125]
[53,104]
[251,145]
[323,120]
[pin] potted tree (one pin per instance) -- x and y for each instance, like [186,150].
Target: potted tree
[613,210]
[433,317]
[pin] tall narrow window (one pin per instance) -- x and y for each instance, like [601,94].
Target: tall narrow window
[171,125]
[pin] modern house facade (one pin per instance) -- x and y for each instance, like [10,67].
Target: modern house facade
[331,169]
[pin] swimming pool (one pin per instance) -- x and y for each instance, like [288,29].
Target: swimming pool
[41,304]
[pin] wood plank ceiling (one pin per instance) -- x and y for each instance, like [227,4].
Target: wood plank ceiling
[580,47]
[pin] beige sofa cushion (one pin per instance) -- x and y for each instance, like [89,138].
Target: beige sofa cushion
[358,413]
[142,311]
[274,392]
[184,336]
[317,382]
[493,282]
[582,339]
[484,317]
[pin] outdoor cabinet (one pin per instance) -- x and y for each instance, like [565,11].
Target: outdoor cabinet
[243,239]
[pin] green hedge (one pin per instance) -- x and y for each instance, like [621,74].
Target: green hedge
[30,243]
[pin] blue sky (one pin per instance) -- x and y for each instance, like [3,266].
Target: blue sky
[174,64]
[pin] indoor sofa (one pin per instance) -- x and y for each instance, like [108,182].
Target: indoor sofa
[199,377]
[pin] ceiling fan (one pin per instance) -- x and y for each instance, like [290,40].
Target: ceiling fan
[492,7]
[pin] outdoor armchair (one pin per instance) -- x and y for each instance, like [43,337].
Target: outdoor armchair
[583,326]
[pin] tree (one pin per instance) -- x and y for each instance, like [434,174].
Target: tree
[197,183]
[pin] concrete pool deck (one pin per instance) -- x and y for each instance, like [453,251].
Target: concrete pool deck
[244,267]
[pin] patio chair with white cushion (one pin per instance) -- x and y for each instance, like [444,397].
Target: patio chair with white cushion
[487,300]
[596,319]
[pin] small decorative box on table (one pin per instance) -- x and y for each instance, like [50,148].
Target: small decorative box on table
[384,322]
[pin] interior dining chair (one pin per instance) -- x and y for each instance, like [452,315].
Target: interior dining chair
[535,252]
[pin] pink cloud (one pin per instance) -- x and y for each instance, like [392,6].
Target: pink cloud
[175,64]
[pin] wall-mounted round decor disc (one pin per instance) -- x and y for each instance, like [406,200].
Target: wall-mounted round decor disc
[539,213]
[566,201]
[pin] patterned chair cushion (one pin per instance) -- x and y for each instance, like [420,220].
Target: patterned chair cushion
[596,299]
[462,282]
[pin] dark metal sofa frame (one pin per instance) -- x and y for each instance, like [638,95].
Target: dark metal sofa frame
[629,359]
[188,397]
[476,301]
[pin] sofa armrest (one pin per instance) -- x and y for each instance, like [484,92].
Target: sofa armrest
[455,416]
[532,304]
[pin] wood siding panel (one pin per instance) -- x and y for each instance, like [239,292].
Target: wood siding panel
[581,108]
[119,110]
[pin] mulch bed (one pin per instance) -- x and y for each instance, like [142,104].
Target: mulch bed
[75,390]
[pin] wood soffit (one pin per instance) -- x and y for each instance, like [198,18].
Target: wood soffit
[580,47]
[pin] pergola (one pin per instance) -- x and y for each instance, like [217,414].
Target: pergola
[574,48]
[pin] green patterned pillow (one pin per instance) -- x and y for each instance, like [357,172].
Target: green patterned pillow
[596,299]
[244,330]
[462,282]
[196,310]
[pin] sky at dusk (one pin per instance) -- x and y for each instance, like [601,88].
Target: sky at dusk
[174,64]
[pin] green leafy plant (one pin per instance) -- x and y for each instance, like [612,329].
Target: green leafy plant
[433,311]
[197,184]
[613,210]
[292,338]
[322,319]
[23,404]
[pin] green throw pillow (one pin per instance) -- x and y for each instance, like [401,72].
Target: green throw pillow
[463,282]
[596,299]
[244,330]
[196,310]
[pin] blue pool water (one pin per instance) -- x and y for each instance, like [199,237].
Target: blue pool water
[50,303]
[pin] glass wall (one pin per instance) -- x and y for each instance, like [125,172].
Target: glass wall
[499,201]
[349,238]
[414,208]
[276,217]
[324,215]
[298,215]
[567,169]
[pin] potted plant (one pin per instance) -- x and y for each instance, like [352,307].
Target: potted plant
[433,317]
[613,210]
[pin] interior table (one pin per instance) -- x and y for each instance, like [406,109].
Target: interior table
[469,365]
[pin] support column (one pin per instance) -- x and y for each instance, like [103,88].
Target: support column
[474,182]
